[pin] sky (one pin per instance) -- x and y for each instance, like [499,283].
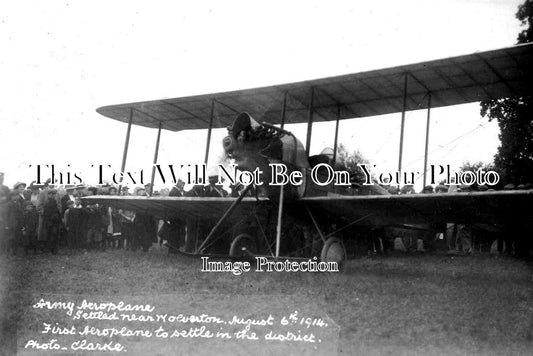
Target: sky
[60,60]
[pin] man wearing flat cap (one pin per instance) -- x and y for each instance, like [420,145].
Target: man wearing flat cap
[33,192]
[125,191]
[20,187]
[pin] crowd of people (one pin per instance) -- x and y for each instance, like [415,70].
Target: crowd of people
[509,238]
[44,218]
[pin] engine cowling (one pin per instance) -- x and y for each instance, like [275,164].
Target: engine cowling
[252,145]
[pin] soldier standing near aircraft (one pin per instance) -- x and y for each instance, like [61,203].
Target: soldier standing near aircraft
[144,228]
[174,228]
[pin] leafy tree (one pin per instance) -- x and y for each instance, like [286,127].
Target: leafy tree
[524,14]
[350,160]
[473,167]
[514,160]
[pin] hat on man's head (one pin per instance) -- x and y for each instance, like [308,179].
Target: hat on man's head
[18,184]
[34,185]
[93,189]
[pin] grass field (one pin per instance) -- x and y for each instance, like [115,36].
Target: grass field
[404,304]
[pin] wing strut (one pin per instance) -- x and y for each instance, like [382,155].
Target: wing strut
[336,134]
[309,122]
[283,109]
[209,131]
[427,140]
[223,218]
[126,145]
[155,158]
[403,122]
[278,227]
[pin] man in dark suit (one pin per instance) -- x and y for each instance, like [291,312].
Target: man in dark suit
[174,229]
[51,221]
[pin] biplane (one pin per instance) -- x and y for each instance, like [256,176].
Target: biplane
[308,220]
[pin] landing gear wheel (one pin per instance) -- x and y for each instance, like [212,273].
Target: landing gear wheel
[243,246]
[334,251]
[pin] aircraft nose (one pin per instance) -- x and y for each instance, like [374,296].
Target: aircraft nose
[228,143]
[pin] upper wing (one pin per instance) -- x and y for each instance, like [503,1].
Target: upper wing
[183,207]
[456,80]
[474,207]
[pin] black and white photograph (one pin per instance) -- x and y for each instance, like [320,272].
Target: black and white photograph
[269,178]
